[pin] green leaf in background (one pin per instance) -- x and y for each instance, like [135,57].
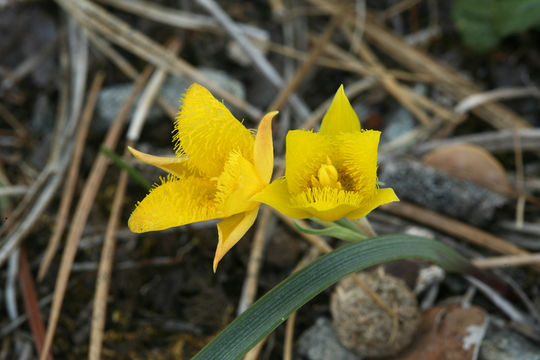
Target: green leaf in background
[128,168]
[483,23]
[274,307]
[334,230]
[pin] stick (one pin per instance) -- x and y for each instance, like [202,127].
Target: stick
[31,305]
[83,210]
[455,228]
[262,64]
[71,182]
[95,18]
[286,91]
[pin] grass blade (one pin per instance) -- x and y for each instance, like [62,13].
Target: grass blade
[273,308]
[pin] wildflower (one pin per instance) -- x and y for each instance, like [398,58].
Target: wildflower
[330,174]
[219,166]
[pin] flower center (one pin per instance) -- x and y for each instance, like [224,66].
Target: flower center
[327,176]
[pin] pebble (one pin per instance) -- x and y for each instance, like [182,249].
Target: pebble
[320,342]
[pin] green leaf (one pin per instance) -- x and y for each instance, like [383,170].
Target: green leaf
[337,231]
[128,168]
[273,308]
[483,23]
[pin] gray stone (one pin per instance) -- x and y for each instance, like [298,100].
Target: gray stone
[438,191]
[112,97]
[320,342]
[504,344]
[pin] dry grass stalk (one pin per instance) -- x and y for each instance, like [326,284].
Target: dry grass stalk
[249,289]
[447,79]
[96,19]
[472,101]
[455,228]
[31,305]
[505,261]
[84,206]
[73,174]
[103,278]
[255,55]
[303,70]
[127,69]
[391,84]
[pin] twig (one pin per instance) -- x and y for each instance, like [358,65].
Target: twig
[262,64]
[455,228]
[78,61]
[117,59]
[286,91]
[103,278]
[289,337]
[83,210]
[520,181]
[124,65]
[31,305]
[95,18]
[506,261]
[472,101]
[10,294]
[447,78]
[71,182]
[149,95]
[493,141]
[15,190]
[33,192]
[390,83]
[51,181]
[510,310]
[170,16]
[249,289]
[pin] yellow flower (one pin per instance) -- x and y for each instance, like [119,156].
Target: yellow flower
[219,166]
[330,174]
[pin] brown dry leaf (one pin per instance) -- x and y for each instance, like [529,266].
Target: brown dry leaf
[470,162]
[448,333]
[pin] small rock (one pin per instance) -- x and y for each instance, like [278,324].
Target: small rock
[320,342]
[438,191]
[111,98]
[504,344]
[363,325]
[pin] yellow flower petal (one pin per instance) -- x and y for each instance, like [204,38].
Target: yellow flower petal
[237,183]
[173,165]
[263,150]
[173,203]
[306,152]
[327,203]
[382,196]
[357,154]
[207,132]
[231,230]
[340,116]
[277,195]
